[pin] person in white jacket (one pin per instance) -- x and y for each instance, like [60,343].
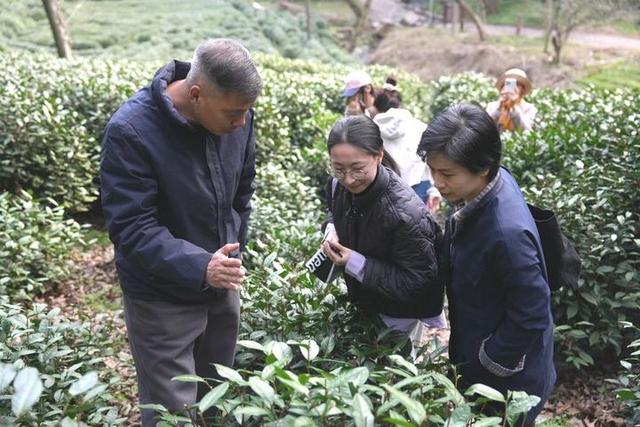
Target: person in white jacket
[401,133]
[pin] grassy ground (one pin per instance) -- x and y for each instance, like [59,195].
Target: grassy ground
[533,15]
[617,75]
[531,11]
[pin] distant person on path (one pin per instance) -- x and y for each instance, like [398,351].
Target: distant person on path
[401,134]
[359,92]
[511,112]
[177,172]
[492,261]
[380,232]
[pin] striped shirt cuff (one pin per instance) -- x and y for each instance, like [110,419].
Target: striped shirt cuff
[496,368]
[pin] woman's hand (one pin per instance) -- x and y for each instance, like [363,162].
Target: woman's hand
[509,97]
[433,204]
[331,235]
[337,253]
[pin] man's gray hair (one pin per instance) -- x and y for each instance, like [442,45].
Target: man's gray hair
[228,66]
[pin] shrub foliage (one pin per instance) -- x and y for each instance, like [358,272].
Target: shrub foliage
[49,366]
[36,243]
[581,160]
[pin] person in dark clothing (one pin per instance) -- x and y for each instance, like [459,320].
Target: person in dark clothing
[492,263]
[380,232]
[177,170]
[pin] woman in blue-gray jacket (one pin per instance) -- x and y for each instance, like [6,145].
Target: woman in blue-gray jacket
[493,265]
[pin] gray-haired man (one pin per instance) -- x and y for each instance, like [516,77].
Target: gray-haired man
[177,171]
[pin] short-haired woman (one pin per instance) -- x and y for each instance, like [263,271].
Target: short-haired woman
[380,232]
[493,265]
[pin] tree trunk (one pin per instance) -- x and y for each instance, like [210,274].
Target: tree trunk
[548,23]
[476,20]
[308,14]
[483,11]
[361,21]
[491,6]
[557,42]
[432,10]
[356,7]
[58,27]
[455,17]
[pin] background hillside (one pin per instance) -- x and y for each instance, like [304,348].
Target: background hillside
[161,29]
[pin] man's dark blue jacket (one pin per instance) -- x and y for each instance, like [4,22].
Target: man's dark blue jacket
[172,193]
[499,299]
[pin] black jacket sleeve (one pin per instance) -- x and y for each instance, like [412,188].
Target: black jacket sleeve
[129,201]
[412,270]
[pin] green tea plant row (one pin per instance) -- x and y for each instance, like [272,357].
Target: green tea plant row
[52,370]
[156,29]
[580,161]
[36,241]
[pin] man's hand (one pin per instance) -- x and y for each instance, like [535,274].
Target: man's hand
[337,253]
[224,272]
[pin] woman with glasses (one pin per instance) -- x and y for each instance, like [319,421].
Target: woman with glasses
[492,263]
[380,232]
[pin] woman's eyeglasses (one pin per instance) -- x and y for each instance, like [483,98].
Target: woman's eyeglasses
[342,173]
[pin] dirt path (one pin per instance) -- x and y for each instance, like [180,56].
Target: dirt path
[434,52]
[594,40]
[394,11]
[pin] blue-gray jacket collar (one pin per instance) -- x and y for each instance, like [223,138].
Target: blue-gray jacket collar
[474,206]
[174,70]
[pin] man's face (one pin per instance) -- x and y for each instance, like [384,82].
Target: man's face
[219,113]
[454,181]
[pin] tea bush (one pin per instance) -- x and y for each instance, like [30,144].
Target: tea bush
[581,161]
[307,357]
[50,366]
[56,110]
[628,380]
[53,114]
[399,393]
[36,243]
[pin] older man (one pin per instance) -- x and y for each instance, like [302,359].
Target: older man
[177,171]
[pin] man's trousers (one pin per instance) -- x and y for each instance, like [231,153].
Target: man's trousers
[169,339]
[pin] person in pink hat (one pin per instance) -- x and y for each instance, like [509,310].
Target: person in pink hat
[358,89]
[511,112]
